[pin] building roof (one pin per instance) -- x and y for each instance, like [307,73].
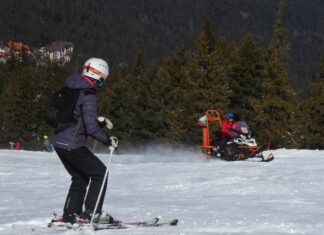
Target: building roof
[57,46]
[18,46]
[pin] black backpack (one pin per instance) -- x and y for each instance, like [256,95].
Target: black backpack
[59,111]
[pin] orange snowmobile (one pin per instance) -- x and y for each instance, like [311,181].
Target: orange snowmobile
[241,147]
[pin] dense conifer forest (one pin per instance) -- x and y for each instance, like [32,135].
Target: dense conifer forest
[161,83]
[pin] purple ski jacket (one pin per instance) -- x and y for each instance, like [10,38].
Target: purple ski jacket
[85,112]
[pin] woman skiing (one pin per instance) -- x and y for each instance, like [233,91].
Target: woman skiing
[86,170]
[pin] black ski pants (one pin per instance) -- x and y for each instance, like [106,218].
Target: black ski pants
[85,170]
[223,144]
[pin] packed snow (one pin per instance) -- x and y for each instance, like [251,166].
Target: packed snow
[209,197]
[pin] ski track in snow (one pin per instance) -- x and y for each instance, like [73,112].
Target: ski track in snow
[284,196]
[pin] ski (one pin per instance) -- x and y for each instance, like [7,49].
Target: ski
[269,158]
[150,223]
[58,227]
[62,227]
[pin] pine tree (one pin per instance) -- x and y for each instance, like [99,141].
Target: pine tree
[207,80]
[147,101]
[154,111]
[21,111]
[138,94]
[277,113]
[205,42]
[313,112]
[2,87]
[209,74]
[175,95]
[280,42]
[116,102]
[247,76]
[129,103]
[2,78]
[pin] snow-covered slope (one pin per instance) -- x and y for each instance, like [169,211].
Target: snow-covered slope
[284,196]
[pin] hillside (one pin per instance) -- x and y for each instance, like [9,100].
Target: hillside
[281,197]
[117,29]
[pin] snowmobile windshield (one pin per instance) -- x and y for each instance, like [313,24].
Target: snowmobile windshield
[241,128]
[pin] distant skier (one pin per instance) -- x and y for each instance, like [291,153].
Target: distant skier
[86,169]
[47,145]
[11,145]
[18,144]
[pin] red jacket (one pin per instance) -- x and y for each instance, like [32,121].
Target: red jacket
[225,126]
[18,145]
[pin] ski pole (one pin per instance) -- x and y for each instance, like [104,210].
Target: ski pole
[94,146]
[103,184]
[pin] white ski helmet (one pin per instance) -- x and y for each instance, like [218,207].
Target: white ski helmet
[96,69]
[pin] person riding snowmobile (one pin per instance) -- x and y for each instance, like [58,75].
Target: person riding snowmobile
[228,138]
[226,133]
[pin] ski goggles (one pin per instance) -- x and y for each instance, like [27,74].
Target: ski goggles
[100,82]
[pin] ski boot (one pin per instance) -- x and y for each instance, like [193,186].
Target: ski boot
[66,221]
[57,218]
[100,218]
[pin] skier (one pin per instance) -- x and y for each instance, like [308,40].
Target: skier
[226,133]
[18,145]
[47,145]
[85,168]
[11,145]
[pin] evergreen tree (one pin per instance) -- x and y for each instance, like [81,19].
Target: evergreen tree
[313,111]
[207,77]
[246,80]
[154,128]
[277,117]
[146,101]
[208,74]
[21,112]
[128,100]
[2,81]
[137,94]
[116,103]
[2,78]
[113,103]
[175,94]
[205,41]
[280,42]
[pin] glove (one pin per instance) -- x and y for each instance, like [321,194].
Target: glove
[104,122]
[112,142]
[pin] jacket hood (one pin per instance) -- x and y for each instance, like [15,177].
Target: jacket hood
[75,81]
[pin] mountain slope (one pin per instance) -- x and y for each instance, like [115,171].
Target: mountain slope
[284,196]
